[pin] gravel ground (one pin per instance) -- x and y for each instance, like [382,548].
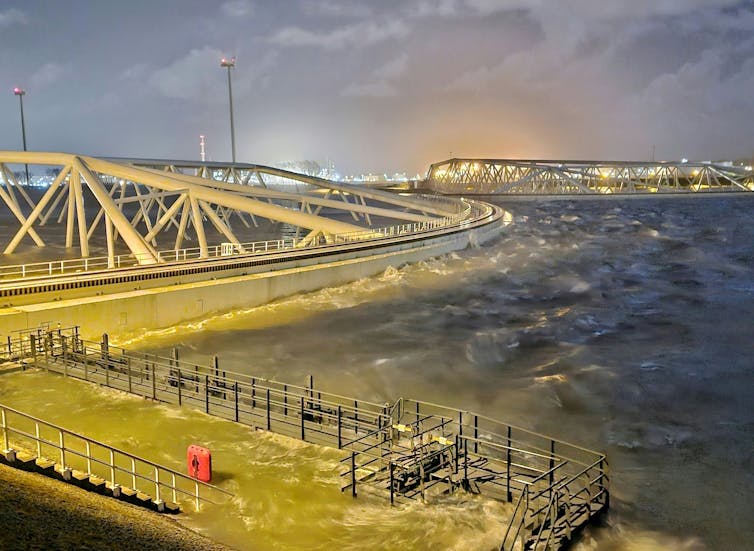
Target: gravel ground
[40,513]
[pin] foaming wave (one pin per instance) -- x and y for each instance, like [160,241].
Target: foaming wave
[300,306]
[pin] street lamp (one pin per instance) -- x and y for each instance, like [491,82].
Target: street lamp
[230,63]
[20,92]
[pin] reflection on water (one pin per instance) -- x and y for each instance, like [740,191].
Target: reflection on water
[620,326]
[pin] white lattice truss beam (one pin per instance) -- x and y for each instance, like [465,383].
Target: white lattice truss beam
[500,176]
[161,198]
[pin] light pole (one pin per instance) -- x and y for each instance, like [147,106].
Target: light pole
[230,63]
[20,92]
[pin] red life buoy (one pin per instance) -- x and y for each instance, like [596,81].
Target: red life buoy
[199,463]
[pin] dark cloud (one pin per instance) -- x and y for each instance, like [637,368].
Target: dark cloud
[11,17]
[383,86]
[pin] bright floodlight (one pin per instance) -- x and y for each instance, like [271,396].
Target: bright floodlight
[224,62]
[19,91]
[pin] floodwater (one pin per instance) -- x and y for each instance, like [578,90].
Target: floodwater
[621,325]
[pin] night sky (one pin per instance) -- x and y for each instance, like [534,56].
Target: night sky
[382,85]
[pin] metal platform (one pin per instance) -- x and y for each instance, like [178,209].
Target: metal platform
[404,450]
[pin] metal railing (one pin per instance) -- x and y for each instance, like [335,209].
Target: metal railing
[406,449]
[119,469]
[292,410]
[224,250]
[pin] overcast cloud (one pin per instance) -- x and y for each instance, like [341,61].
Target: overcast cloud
[383,86]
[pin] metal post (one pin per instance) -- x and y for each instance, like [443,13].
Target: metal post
[88,457]
[285,400]
[157,484]
[466,460]
[458,452]
[235,394]
[5,430]
[340,434]
[253,393]
[128,369]
[302,419]
[206,393]
[64,344]
[20,93]
[180,397]
[356,416]
[508,473]
[268,409]
[33,345]
[552,463]
[62,449]
[104,348]
[112,468]
[353,474]
[476,433]
[392,485]
[154,383]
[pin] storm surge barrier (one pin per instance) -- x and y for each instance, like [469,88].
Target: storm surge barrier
[407,449]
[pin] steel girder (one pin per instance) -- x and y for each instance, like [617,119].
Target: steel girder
[137,204]
[254,175]
[502,176]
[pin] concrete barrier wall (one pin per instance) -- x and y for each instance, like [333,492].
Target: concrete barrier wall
[128,312]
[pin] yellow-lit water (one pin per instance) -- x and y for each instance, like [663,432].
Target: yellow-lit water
[622,327]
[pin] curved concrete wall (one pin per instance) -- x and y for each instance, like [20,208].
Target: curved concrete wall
[126,312]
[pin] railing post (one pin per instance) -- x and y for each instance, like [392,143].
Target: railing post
[128,370]
[508,467]
[253,393]
[466,460]
[33,345]
[88,457]
[157,483]
[340,429]
[552,463]
[112,468]
[476,433]
[268,409]
[285,400]
[302,419]
[392,485]
[353,474]
[235,395]
[6,446]
[64,345]
[62,449]
[356,416]
[180,384]
[133,473]
[206,393]
[154,382]
[39,440]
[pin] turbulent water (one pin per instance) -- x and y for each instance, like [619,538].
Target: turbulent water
[623,326]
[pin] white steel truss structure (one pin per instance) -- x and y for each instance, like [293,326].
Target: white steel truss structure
[500,176]
[135,203]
